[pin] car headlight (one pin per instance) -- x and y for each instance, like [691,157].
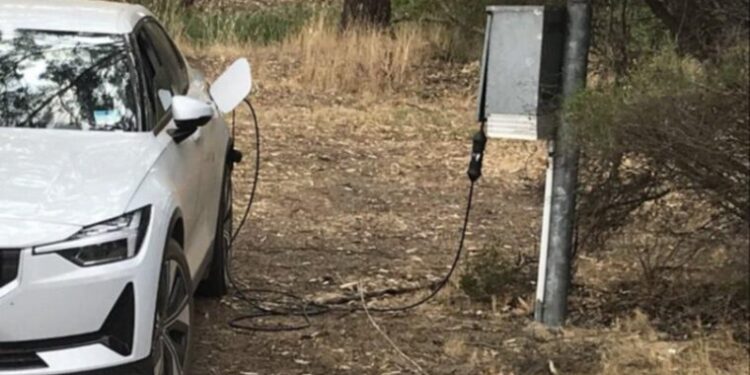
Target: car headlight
[107,242]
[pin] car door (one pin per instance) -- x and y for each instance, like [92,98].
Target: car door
[213,139]
[165,76]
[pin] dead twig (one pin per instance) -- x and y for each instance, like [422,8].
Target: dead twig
[385,336]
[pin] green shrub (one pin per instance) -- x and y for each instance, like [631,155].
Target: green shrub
[674,124]
[464,19]
[490,275]
[263,26]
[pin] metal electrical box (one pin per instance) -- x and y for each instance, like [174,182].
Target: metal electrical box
[522,71]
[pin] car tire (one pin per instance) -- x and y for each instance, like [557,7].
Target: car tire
[216,283]
[172,338]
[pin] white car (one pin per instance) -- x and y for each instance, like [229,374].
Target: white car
[115,189]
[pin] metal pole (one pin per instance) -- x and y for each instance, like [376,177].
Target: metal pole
[565,175]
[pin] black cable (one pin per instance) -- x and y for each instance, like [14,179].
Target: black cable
[256,178]
[445,280]
[301,307]
[474,173]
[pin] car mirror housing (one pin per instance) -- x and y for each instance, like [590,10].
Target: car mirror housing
[233,86]
[189,114]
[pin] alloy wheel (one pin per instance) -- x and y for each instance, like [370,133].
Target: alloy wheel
[173,318]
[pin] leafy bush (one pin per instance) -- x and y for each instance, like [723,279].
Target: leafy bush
[490,275]
[464,19]
[675,124]
[702,28]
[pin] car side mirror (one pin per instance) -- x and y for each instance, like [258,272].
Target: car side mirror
[189,114]
[233,86]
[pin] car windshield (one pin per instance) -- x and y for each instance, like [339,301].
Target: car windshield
[55,80]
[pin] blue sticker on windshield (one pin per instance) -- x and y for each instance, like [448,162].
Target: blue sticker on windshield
[108,117]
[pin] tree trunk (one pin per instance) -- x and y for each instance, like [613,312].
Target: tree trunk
[370,13]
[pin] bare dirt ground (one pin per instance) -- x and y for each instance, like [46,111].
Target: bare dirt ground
[371,189]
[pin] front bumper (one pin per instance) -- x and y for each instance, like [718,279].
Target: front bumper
[144,367]
[59,318]
[97,356]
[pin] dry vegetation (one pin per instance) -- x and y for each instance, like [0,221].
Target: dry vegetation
[366,61]
[365,144]
[361,59]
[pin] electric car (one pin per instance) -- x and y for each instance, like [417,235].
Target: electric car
[115,189]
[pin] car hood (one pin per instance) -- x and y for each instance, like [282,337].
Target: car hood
[19,234]
[64,177]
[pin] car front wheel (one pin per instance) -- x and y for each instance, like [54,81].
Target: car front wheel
[173,323]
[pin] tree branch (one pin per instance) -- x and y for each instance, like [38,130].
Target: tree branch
[662,12]
[451,15]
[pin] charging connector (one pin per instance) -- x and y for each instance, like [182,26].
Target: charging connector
[477,155]
[235,156]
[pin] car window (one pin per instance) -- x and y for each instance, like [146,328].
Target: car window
[157,83]
[58,80]
[170,57]
[164,68]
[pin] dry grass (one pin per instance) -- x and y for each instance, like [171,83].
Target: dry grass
[641,352]
[322,60]
[361,59]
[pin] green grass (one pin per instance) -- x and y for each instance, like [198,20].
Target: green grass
[208,26]
[263,26]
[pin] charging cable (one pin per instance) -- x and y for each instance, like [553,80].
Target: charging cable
[286,304]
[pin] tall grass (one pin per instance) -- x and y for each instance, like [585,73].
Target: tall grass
[202,27]
[361,59]
[263,26]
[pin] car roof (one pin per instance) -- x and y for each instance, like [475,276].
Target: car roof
[83,16]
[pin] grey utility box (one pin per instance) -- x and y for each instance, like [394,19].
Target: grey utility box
[522,71]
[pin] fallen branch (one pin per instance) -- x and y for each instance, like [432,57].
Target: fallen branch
[342,298]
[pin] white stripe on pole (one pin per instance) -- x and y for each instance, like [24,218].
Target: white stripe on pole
[544,245]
